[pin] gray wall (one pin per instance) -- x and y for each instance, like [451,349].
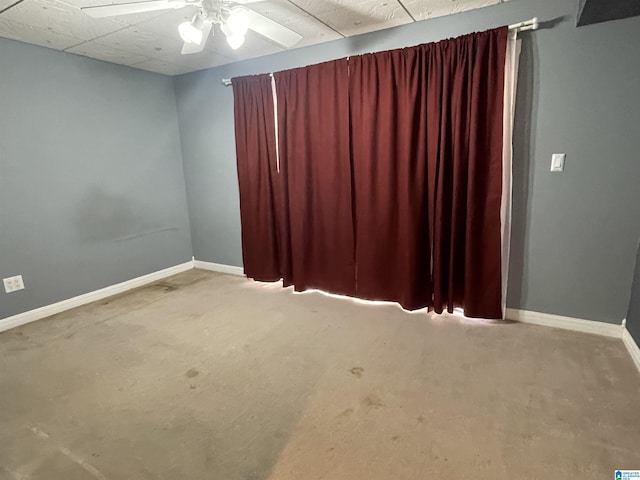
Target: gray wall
[633,315]
[92,189]
[575,233]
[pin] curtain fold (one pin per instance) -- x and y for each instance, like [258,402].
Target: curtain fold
[314,152]
[388,179]
[389,121]
[467,270]
[427,156]
[258,177]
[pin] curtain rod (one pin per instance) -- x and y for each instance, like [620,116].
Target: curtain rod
[532,24]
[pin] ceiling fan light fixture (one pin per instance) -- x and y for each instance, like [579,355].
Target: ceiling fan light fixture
[238,21]
[235,40]
[191,32]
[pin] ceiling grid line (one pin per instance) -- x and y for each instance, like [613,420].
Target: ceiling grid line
[316,18]
[406,10]
[96,38]
[11,6]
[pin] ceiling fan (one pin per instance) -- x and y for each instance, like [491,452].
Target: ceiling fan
[232,16]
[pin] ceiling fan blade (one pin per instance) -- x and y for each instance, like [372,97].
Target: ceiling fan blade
[115,9]
[188,48]
[272,30]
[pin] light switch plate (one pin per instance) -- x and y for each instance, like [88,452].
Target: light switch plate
[557,162]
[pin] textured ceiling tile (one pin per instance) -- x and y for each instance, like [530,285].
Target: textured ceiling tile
[108,54]
[167,23]
[160,66]
[140,41]
[36,36]
[424,9]
[6,3]
[60,18]
[312,30]
[197,61]
[353,17]
[131,19]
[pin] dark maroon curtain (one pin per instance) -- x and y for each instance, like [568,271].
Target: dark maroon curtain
[390,176]
[313,133]
[389,123]
[257,176]
[427,160]
[465,164]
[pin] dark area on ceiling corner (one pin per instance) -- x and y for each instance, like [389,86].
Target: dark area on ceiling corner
[598,11]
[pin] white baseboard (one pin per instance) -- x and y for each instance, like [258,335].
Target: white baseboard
[54,308]
[566,323]
[632,347]
[219,267]
[524,316]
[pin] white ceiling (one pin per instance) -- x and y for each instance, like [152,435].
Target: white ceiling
[150,41]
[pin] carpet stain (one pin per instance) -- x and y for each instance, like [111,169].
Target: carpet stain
[420,419]
[373,401]
[345,413]
[357,371]
[395,438]
[192,373]
[164,287]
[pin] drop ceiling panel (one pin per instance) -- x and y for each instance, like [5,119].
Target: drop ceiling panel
[107,53]
[353,17]
[297,20]
[167,22]
[159,66]
[5,3]
[37,36]
[206,59]
[61,18]
[131,19]
[140,41]
[424,9]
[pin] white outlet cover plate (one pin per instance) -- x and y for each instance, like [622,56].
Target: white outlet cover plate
[13,284]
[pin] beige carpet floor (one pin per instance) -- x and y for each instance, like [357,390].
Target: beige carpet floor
[208,376]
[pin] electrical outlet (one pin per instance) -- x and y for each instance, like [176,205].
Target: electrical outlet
[12,284]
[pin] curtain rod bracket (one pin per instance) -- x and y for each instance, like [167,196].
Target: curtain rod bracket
[532,24]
